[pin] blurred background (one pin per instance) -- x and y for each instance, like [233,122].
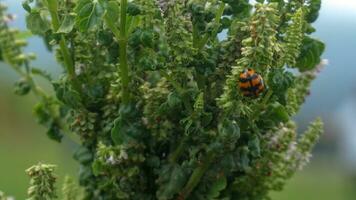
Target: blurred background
[330,176]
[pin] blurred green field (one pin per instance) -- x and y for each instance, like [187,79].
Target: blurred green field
[321,180]
[24,143]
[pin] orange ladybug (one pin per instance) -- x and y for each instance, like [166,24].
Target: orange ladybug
[251,83]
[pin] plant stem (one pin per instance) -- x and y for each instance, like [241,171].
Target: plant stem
[53,9]
[121,35]
[196,40]
[266,98]
[173,157]
[196,177]
[68,62]
[218,16]
[124,71]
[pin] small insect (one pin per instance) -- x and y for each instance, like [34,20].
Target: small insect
[251,83]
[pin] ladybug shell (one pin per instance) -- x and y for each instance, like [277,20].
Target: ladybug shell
[251,83]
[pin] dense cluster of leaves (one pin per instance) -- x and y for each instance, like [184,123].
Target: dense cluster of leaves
[150,87]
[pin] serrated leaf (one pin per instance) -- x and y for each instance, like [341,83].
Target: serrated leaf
[89,14]
[67,24]
[313,8]
[36,23]
[172,180]
[113,11]
[67,95]
[173,99]
[311,51]
[229,128]
[127,127]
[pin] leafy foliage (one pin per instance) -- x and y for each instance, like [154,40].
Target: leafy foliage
[310,54]
[150,93]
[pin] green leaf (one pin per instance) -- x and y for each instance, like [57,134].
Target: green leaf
[173,99]
[278,112]
[133,9]
[117,133]
[172,180]
[127,127]
[54,132]
[254,146]
[26,5]
[22,87]
[41,112]
[244,160]
[279,81]
[311,52]
[83,155]
[97,167]
[89,14]
[313,7]
[216,188]
[113,11]
[36,23]
[67,95]
[229,128]
[67,24]
[42,73]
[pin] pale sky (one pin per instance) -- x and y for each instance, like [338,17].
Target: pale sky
[340,4]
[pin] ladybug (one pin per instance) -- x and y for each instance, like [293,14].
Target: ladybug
[251,83]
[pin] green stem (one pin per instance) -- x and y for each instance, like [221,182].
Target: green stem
[218,16]
[200,81]
[196,177]
[266,97]
[173,157]
[123,16]
[68,62]
[196,40]
[121,36]
[124,70]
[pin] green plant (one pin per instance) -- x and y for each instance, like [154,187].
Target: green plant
[42,182]
[150,91]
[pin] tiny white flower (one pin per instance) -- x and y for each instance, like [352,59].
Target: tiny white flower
[111,160]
